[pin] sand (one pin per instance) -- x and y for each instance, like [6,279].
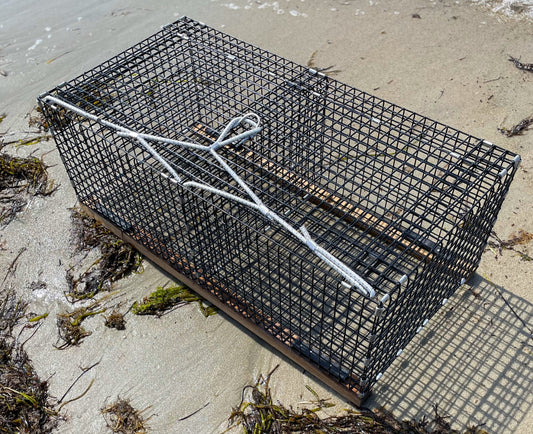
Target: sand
[475,357]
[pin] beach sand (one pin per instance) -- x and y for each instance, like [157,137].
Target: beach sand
[446,60]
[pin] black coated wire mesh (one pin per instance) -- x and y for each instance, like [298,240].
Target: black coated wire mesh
[405,202]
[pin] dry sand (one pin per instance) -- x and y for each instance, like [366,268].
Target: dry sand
[475,357]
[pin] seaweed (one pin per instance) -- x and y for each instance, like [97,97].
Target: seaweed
[70,331]
[517,129]
[28,141]
[21,177]
[115,320]
[88,232]
[164,299]
[31,140]
[37,119]
[522,66]
[13,266]
[61,402]
[116,259]
[521,238]
[25,405]
[58,118]
[38,318]
[25,173]
[258,412]
[122,418]
[327,70]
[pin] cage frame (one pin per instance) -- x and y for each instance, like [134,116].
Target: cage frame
[393,237]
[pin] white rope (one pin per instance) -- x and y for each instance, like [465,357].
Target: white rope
[352,278]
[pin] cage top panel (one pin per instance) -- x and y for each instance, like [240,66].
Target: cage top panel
[148,70]
[390,169]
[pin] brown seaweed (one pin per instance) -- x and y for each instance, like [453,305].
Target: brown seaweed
[70,331]
[328,70]
[115,320]
[517,129]
[36,119]
[258,412]
[21,178]
[122,418]
[115,261]
[25,405]
[495,243]
[522,66]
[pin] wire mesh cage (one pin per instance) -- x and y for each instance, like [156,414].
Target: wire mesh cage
[330,222]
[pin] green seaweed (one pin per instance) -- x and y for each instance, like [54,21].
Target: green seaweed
[70,330]
[33,140]
[36,120]
[38,317]
[25,173]
[164,299]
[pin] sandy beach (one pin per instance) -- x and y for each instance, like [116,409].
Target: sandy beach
[447,60]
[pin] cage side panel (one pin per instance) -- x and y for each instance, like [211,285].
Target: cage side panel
[322,320]
[270,278]
[426,291]
[402,169]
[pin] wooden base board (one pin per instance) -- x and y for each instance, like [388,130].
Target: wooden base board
[351,395]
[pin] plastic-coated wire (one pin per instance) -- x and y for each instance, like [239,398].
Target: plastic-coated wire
[352,278]
[336,174]
[153,153]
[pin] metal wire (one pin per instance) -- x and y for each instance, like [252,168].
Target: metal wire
[340,197]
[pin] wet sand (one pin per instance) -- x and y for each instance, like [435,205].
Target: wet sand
[445,60]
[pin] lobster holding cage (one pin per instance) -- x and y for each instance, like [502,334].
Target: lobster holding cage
[331,223]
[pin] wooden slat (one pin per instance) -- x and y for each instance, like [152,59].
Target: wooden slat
[344,210]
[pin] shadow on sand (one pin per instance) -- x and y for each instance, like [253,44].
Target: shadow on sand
[474,359]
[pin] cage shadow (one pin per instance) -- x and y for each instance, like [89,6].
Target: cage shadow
[474,360]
